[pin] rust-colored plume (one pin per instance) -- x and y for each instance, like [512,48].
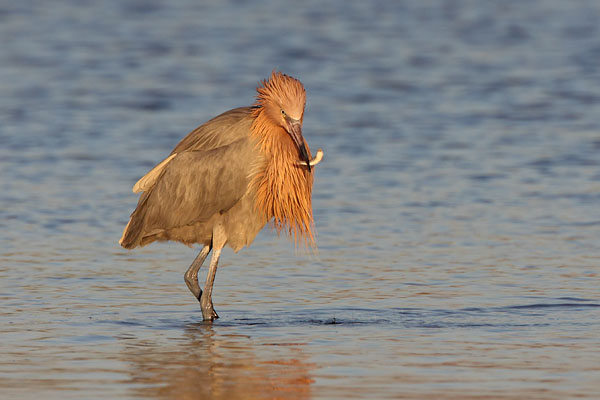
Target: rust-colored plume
[283,188]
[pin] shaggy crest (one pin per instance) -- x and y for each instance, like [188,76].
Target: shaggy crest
[282,90]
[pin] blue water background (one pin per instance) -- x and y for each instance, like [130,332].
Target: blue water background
[457,207]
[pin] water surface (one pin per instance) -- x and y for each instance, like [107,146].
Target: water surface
[456,207]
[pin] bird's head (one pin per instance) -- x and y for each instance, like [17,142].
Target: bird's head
[282,99]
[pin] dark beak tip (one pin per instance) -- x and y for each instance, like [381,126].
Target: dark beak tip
[304,156]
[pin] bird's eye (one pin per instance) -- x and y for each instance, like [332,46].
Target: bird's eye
[282,112]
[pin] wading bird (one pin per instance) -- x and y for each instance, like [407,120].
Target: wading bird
[229,177]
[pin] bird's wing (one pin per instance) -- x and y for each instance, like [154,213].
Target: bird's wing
[195,185]
[220,131]
[148,180]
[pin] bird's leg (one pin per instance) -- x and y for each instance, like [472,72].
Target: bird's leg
[219,238]
[191,275]
[208,311]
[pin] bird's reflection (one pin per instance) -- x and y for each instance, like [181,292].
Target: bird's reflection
[208,364]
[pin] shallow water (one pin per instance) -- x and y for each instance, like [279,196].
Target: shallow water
[456,207]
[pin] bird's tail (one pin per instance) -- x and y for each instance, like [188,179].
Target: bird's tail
[133,232]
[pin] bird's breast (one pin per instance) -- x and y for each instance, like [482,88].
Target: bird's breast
[284,191]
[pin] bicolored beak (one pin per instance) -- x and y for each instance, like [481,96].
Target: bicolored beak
[294,128]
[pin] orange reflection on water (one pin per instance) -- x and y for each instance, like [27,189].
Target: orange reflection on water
[212,366]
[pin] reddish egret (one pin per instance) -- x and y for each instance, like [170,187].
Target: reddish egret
[229,177]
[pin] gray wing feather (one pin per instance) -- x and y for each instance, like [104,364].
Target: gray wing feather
[195,185]
[217,132]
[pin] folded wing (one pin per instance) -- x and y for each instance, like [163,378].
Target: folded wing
[207,173]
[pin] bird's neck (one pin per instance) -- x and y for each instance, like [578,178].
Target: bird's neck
[283,188]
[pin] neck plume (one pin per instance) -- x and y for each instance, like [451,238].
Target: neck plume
[283,188]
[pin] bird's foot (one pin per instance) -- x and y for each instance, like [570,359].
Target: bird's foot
[209,314]
[208,311]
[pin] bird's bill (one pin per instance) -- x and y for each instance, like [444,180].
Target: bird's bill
[295,131]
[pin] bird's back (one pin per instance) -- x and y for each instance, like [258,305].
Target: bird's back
[204,180]
[220,131]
